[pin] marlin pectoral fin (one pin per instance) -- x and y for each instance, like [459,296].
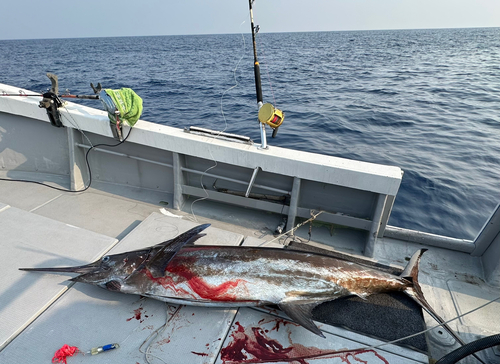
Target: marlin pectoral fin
[301,313]
[159,261]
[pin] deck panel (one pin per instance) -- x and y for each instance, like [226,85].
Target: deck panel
[3,206]
[29,240]
[29,196]
[98,212]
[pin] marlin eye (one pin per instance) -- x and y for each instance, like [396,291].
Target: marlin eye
[105,259]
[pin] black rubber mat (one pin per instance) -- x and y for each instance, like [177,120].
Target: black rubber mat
[383,316]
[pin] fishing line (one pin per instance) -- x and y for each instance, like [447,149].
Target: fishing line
[73,122]
[214,137]
[313,217]
[379,345]
[434,327]
[444,323]
[155,334]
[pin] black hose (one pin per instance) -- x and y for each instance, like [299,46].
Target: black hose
[470,348]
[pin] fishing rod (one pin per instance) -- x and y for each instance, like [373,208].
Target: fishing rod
[51,100]
[268,114]
[121,105]
[68,96]
[127,112]
[54,90]
[258,84]
[21,93]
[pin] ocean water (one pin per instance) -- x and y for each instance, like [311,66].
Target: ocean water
[427,101]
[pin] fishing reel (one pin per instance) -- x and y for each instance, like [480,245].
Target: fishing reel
[51,102]
[269,115]
[121,105]
[113,112]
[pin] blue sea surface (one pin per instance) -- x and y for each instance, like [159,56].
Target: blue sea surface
[427,101]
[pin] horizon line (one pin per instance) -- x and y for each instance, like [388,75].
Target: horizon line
[207,34]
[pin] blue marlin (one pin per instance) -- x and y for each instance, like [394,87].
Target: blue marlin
[178,272]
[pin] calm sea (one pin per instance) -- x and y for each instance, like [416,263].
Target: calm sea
[427,101]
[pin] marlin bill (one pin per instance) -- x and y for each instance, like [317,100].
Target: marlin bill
[222,276]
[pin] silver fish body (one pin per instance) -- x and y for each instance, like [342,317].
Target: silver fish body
[223,276]
[245,276]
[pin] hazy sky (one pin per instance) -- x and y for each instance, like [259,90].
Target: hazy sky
[29,19]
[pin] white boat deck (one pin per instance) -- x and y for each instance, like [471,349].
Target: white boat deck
[42,312]
[161,168]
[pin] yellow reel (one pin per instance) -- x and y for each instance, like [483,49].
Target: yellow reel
[271,116]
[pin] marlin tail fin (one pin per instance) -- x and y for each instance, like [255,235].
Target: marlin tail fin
[410,273]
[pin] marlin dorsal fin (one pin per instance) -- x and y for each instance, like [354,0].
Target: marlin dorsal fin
[301,313]
[158,262]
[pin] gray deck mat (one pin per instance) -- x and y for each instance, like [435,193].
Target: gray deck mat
[29,240]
